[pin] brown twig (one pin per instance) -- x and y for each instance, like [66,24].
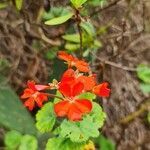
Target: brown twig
[114,64]
[78,20]
[144,107]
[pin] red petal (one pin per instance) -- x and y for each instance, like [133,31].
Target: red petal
[85,106]
[27,93]
[41,97]
[77,89]
[61,108]
[89,82]
[31,85]
[65,89]
[69,73]
[74,113]
[82,66]
[64,56]
[102,90]
[30,103]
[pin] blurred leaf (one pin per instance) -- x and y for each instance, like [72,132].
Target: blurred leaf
[105,144]
[97,2]
[55,12]
[72,38]
[148,117]
[87,95]
[78,3]
[28,142]
[13,115]
[89,28]
[19,4]
[3,5]
[71,46]
[52,53]
[45,118]
[145,88]
[143,72]
[63,144]
[12,139]
[60,20]
[97,43]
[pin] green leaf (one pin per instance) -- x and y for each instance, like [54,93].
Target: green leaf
[12,139]
[55,12]
[145,88]
[45,118]
[72,130]
[13,115]
[143,72]
[78,3]
[89,128]
[89,28]
[19,4]
[3,5]
[87,95]
[28,142]
[60,20]
[72,38]
[105,144]
[97,43]
[71,46]
[98,115]
[63,144]
[83,130]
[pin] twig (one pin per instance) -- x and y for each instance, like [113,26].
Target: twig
[132,116]
[106,7]
[78,19]
[114,64]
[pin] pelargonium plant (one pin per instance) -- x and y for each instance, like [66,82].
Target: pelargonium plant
[72,117]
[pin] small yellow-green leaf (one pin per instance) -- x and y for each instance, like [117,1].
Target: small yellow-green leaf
[60,20]
[78,3]
[19,4]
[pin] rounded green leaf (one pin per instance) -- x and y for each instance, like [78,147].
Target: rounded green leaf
[12,139]
[60,20]
[143,72]
[28,142]
[63,144]
[45,118]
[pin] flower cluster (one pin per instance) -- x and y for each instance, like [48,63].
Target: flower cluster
[77,79]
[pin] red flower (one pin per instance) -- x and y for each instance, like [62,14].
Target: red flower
[73,61]
[71,106]
[102,90]
[33,95]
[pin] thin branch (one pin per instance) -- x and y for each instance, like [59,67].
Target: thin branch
[106,7]
[78,20]
[80,34]
[132,116]
[114,64]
